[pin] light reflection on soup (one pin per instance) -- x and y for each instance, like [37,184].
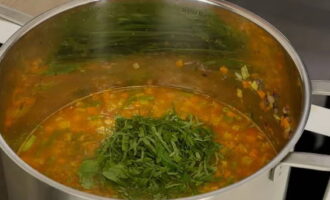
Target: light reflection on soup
[64,140]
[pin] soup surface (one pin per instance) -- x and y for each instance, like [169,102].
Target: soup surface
[61,143]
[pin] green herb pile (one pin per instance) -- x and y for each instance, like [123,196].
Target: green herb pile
[154,158]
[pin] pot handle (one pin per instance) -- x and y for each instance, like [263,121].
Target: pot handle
[304,160]
[14,20]
[318,122]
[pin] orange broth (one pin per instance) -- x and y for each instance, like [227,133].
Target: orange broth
[58,145]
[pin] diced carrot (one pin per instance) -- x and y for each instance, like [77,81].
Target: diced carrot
[253,153]
[148,90]
[226,173]
[49,129]
[106,97]
[263,106]
[251,138]
[76,117]
[124,95]
[179,63]
[92,110]
[246,84]
[230,114]
[223,69]
[261,94]
[285,122]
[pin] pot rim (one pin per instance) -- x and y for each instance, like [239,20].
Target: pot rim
[218,3]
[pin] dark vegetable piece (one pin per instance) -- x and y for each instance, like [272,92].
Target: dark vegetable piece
[154,158]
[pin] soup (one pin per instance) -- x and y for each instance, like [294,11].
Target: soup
[64,143]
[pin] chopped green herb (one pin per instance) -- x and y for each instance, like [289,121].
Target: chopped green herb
[87,172]
[28,144]
[154,158]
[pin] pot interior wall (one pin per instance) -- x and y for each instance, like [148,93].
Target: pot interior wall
[185,44]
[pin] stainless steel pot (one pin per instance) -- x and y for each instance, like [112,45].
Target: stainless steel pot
[42,38]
